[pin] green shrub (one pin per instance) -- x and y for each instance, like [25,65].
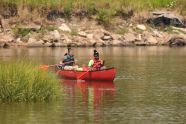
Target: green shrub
[23,81]
[121,31]
[21,32]
[104,16]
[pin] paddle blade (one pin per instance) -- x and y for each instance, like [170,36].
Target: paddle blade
[43,67]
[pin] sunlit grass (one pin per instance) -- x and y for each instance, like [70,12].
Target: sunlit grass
[114,4]
[23,81]
[104,10]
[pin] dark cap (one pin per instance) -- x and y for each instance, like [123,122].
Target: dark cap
[96,54]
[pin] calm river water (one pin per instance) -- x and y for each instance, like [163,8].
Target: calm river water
[150,88]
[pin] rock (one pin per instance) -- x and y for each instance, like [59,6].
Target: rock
[90,36]
[130,37]
[58,44]
[4,24]
[55,35]
[98,34]
[117,43]
[141,43]
[31,40]
[4,45]
[151,40]
[47,44]
[180,29]
[82,34]
[34,43]
[139,37]
[177,41]
[157,34]
[6,37]
[107,37]
[52,36]
[141,27]
[65,28]
[18,40]
[165,18]
[30,26]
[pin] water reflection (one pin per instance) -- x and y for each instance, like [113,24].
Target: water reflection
[95,95]
[94,92]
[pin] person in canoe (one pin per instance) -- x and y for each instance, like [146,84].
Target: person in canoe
[68,62]
[96,63]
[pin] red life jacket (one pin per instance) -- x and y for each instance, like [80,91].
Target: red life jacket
[97,64]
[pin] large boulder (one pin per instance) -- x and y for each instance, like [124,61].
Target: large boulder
[177,41]
[165,18]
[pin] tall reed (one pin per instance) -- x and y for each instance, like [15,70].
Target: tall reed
[23,81]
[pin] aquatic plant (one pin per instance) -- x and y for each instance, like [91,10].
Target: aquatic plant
[23,81]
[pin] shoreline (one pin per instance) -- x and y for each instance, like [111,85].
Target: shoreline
[89,33]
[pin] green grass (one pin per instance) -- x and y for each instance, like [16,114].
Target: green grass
[22,81]
[105,10]
[90,4]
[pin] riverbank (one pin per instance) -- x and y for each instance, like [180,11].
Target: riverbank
[63,24]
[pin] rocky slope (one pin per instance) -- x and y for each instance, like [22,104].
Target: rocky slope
[86,33]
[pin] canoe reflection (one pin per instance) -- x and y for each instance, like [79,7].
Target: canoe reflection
[92,92]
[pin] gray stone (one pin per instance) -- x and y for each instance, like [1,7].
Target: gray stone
[165,18]
[177,41]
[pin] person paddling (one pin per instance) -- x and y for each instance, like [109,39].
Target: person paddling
[68,58]
[96,63]
[68,61]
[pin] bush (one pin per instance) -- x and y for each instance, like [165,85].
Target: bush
[104,16]
[23,81]
[21,32]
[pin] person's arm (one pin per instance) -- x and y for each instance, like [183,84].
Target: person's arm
[91,62]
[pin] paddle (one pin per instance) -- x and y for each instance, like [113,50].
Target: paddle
[78,78]
[45,67]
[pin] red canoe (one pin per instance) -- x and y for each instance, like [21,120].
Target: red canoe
[100,75]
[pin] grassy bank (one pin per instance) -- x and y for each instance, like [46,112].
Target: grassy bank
[22,81]
[111,7]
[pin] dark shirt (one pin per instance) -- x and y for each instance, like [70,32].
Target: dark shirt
[68,60]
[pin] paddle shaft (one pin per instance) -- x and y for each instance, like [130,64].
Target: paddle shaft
[61,64]
[47,66]
[87,71]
